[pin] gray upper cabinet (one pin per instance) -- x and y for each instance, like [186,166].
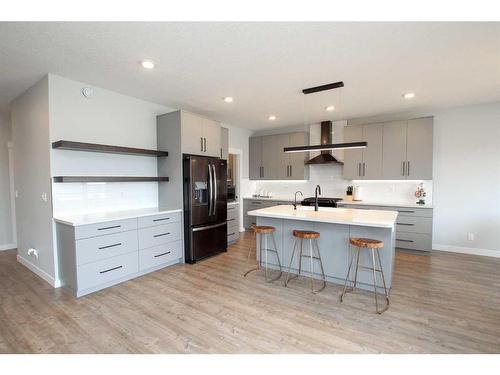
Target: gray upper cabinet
[397,150]
[268,161]
[365,163]
[199,135]
[394,150]
[419,149]
[255,158]
[224,143]
[407,151]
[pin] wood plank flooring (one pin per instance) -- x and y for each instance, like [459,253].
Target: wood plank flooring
[444,303]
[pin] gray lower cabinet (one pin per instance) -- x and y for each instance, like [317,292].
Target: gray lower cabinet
[268,161]
[98,255]
[250,204]
[413,225]
[233,223]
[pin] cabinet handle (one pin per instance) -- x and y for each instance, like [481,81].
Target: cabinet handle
[364,169]
[397,239]
[111,269]
[230,208]
[230,220]
[256,202]
[408,224]
[408,172]
[162,254]
[291,173]
[359,169]
[107,247]
[262,171]
[165,218]
[402,168]
[201,145]
[106,228]
[231,234]
[408,212]
[160,235]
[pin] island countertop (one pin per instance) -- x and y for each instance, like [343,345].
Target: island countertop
[348,216]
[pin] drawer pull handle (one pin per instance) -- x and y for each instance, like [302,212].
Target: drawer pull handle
[404,240]
[230,208]
[408,224]
[231,234]
[107,247]
[162,234]
[256,202]
[111,269]
[165,218]
[409,212]
[231,219]
[106,228]
[162,254]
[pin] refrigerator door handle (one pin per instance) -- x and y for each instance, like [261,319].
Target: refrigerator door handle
[211,188]
[198,229]
[215,190]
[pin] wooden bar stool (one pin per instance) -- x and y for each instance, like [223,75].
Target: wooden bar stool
[262,233]
[374,246]
[300,236]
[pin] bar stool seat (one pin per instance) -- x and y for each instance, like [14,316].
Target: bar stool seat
[374,246]
[312,236]
[262,232]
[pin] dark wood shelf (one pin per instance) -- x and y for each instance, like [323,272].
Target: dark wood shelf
[109,179]
[94,147]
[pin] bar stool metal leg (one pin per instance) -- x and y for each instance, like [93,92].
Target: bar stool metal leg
[347,277]
[277,256]
[257,237]
[320,264]
[288,278]
[383,280]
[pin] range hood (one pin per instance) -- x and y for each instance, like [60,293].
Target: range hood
[325,147]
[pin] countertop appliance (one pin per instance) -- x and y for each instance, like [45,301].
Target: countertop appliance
[205,206]
[322,202]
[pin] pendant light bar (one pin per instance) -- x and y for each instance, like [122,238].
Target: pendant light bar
[332,146]
[326,87]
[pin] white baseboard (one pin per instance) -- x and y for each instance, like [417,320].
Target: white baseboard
[37,270]
[467,250]
[9,246]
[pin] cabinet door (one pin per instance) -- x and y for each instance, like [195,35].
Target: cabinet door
[372,155]
[212,133]
[353,158]
[192,134]
[297,160]
[224,143]
[284,158]
[255,158]
[419,149]
[394,150]
[270,156]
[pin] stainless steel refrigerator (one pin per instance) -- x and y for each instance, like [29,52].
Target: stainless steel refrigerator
[205,206]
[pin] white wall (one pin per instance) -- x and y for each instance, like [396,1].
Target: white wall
[6,235]
[109,118]
[31,139]
[467,179]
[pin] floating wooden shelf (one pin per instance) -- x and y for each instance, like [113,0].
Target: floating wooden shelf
[108,179]
[94,147]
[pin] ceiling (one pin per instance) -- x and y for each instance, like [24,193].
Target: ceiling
[263,66]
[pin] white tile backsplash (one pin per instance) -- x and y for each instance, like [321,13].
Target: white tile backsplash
[329,177]
[88,198]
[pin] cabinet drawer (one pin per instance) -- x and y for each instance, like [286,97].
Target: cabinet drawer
[158,255]
[154,236]
[414,224]
[103,247]
[94,274]
[160,219]
[232,208]
[232,236]
[100,229]
[415,241]
[233,224]
[232,215]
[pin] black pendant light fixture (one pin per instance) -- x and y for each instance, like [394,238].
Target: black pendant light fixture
[325,146]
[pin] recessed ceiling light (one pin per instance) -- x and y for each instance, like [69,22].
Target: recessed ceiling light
[409,95]
[271,118]
[330,108]
[147,64]
[228,99]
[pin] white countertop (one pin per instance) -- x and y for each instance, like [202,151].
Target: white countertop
[387,204]
[275,198]
[102,217]
[349,216]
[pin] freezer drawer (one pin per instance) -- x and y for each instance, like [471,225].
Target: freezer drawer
[206,241]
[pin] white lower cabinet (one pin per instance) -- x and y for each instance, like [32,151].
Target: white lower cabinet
[98,255]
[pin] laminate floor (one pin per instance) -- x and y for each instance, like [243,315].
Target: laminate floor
[444,303]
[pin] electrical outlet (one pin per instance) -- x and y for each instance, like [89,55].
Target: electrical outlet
[44,197]
[33,252]
[470,236]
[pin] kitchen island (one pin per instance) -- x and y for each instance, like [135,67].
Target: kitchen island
[336,226]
